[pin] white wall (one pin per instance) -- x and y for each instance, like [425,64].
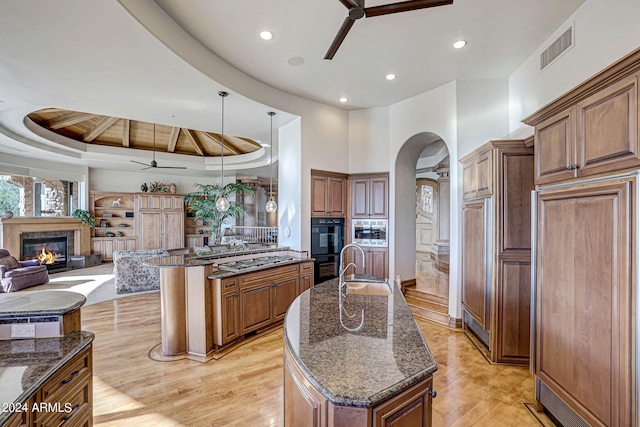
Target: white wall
[129,182]
[605,31]
[369,140]
[482,112]
[290,184]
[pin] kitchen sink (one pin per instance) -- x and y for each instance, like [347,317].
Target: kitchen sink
[368,288]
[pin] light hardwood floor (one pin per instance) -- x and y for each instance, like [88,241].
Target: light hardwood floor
[244,388]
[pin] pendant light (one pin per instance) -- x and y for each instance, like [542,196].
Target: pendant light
[271,204]
[222,203]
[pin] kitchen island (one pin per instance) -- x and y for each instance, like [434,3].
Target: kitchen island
[211,301]
[355,360]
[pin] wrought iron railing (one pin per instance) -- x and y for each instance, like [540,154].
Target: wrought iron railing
[256,234]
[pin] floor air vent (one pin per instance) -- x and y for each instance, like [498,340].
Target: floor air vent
[557,48]
[556,406]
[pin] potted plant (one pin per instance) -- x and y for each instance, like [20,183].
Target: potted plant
[85,216]
[202,204]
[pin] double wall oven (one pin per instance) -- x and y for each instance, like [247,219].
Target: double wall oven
[327,240]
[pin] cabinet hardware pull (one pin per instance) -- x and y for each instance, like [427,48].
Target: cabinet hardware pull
[70,414]
[229,284]
[237,295]
[433,394]
[68,380]
[573,167]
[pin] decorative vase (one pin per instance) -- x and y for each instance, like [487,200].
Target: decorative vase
[144,187]
[173,188]
[7,214]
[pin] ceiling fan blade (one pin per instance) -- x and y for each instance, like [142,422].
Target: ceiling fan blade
[349,3]
[170,167]
[403,6]
[140,163]
[337,41]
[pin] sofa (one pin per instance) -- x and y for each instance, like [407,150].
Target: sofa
[16,275]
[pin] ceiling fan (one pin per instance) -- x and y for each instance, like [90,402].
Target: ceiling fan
[357,11]
[154,164]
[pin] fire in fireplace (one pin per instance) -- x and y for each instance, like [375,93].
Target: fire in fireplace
[49,251]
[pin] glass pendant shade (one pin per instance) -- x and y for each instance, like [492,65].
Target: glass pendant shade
[272,206]
[222,204]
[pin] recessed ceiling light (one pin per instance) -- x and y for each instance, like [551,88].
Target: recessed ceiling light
[296,61]
[390,76]
[460,44]
[343,99]
[266,35]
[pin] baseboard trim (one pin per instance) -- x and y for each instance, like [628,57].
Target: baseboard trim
[455,322]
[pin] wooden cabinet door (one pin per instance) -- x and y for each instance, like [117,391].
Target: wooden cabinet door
[255,306]
[584,310]
[483,175]
[285,290]
[352,255]
[150,230]
[319,195]
[411,408]
[377,264]
[108,246]
[172,230]
[359,198]
[306,276]
[230,316]
[379,198]
[337,201]
[607,134]
[469,179]
[555,148]
[475,287]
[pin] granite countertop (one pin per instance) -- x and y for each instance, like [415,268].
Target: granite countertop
[47,303]
[196,258]
[25,364]
[361,368]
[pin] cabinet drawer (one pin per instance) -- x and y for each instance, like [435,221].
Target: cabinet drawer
[229,285]
[306,267]
[73,409]
[76,371]
[271,274]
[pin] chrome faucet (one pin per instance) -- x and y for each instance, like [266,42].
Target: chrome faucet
[342,268]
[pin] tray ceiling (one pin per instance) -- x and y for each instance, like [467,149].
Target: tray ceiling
[117,132]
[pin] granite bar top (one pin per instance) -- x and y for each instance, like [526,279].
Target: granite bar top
[196,258]
[39,303]
[25,364]
[360,368]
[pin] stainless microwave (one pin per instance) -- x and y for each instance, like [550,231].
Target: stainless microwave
[370,232]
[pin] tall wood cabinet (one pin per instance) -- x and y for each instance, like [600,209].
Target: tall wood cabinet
[160,221]
[585,285]
[496,248]
[328,194]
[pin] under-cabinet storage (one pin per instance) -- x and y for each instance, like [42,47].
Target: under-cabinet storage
[369,196]
[496,249]
[328,194]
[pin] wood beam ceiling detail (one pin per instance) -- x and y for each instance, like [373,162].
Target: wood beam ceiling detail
[191,138]
[173,139]
[102,125]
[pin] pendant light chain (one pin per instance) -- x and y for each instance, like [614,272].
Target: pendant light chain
[271,204]
[222,204]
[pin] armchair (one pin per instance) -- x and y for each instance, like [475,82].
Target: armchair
[15,275]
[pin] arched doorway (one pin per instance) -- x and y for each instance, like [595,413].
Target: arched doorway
[409,163]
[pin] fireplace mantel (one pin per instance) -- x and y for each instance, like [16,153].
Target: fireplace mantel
[12,228]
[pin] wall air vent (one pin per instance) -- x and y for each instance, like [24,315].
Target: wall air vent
[557,48]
